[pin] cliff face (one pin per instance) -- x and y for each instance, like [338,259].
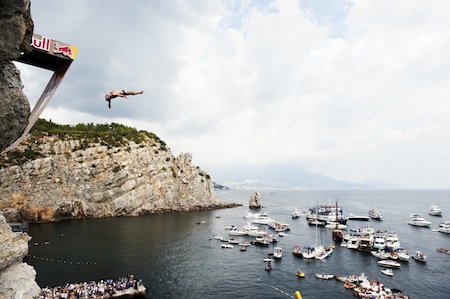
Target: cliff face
[100,181]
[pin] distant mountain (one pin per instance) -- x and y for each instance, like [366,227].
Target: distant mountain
[277,177]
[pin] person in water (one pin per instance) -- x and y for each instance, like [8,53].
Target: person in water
[120,93]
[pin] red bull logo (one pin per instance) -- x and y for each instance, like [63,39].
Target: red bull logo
[42,43]
[63,49]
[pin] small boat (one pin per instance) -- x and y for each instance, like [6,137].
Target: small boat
[233,241]
[268,260]
[418,221]
[324,276]
[269,267]
[324,254]
[387,272]
[358,217]
[403,255]
[443,250]
[362,277]
[388,264]
[380,254]
[244,243]
[420,256]
[375,214]
[218,237]
[349,285]
[435,211]
[296,213]
[297,251]
[444,227]
[335,225]
[281,234]
[300,273]
[236,232]
[277,252]
[227,246]
[319,223]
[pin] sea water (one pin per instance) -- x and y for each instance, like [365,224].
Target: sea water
[176,256]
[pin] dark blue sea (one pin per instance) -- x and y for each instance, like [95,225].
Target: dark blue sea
[177,258]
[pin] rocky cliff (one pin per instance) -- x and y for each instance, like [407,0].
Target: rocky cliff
[51,178]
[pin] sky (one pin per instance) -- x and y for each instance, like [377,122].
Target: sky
[353,90]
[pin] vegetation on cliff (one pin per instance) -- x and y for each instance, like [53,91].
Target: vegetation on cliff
[110,135]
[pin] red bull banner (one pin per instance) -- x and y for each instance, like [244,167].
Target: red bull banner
[53,47]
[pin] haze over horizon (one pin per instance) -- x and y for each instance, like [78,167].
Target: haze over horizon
[352,90]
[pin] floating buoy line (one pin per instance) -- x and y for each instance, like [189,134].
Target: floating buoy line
[47,259]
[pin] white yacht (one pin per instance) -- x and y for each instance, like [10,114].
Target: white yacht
[444,227]
[403,255]
[311,252]
[262,219]
[277,252]
[389,264]
[435,211]
[353,242]
[375,214]
[418,221]
[296,213]
[365,242]
[392,241]
[250,215]
[379,241]
[237,232]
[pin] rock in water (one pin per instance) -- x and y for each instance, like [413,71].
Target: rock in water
[255,201]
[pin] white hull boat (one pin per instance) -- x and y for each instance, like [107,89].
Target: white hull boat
[435,211]
[312,251]
[236,232]
[380,255]
[392,241]
[296,213]
[420,256]
[418,221]
[333,225]
[388,264]
[403,255]
[324,276]
[375,214]
[387,272]
[227,246]
[277,252]
[358,217]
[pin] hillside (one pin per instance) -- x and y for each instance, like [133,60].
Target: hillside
[64,172]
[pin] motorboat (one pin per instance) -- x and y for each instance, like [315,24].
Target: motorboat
[435,211]
[277,252]
[420,256]
[444,227]
[329,212]
[279,226]
[443,250]
[332,224]
[375,214]
[379,241]
[250,215]
[324,276]
[268,260]
[358,217]
[416,220]
[255,232]
[243,248]
[311,252]
[389,264]
[262,219]
[233,241]
[381,254]
[403,255]
[269,267]
[324,254]
[296,213]
[387,272]
[281,234]
[365,242]
[297,251]
[319,223]
[244,243]
[362,277]
[392,241]
[353,242]
[236,232]
[300,273]
[227,246]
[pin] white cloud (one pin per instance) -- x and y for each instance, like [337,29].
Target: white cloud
[345,91]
